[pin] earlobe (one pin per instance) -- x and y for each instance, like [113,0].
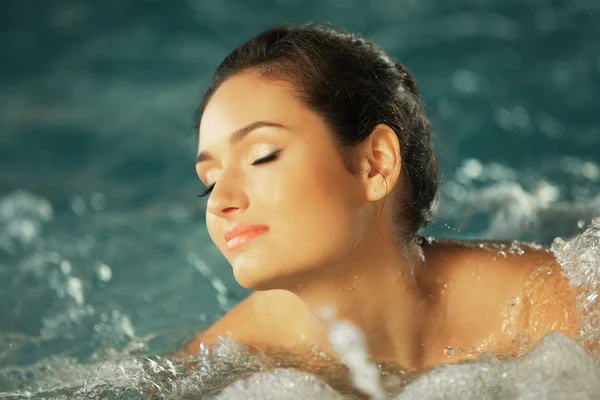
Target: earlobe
[377,191]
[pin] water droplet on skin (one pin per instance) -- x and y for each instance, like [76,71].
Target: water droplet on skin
[449,351]
[516,249]
[357,276]
[544,270]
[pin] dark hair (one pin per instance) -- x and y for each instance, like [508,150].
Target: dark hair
[354,85]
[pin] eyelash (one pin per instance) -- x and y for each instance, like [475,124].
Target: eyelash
[271,157]
[207,191]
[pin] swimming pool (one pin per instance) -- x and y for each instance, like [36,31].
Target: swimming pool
[104,259]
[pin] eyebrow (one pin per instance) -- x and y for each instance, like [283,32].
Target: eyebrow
[238,135]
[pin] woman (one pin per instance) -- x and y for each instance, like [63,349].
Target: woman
[317,155]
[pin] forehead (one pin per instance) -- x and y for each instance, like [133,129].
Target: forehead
[247,98]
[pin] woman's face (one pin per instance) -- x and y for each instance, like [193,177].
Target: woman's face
[284,179]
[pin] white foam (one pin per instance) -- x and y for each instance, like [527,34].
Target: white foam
[282,384]
[555,369]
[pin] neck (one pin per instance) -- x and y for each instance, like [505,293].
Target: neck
[375,288]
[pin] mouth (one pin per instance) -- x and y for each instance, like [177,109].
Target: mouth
[241,234]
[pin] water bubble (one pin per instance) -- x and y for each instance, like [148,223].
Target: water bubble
[191,258]
[126,326]
[28,230]
[466,81]
[98,201]
[75,289]
[515,248]
[54,257]
[65,267]
[219,286]
[472,168]
[222,300]
[201,266]
[590,171]
[449,351]
[78,205]
[104,272]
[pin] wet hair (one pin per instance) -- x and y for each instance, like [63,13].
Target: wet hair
[354,86]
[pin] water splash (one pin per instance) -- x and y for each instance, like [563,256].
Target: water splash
[280,384]
[580,262]
[22,216]
[556,368]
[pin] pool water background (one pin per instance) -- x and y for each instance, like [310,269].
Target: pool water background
[102,239]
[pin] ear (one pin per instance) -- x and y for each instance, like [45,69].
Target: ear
[380,163]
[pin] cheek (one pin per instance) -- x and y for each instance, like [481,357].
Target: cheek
[312,209]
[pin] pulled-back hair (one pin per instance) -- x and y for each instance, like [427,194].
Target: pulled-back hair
[354,86]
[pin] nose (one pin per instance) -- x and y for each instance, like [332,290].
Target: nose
[227,197]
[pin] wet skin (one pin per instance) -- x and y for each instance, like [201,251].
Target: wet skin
[325,236]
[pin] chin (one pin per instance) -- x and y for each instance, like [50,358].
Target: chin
[249,274]
[256,283]
[261,276]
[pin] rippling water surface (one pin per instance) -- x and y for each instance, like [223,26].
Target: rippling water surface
[105,264]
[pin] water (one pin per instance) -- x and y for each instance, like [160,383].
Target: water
[105,264]
[557,367]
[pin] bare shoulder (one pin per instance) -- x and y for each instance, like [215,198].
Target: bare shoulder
[486,268]
[494,264]
[261,319]
[500,289]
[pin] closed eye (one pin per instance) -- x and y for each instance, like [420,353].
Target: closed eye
[207,191]
[271,157]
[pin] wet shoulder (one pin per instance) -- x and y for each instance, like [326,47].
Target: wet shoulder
[485,268]
[490,292]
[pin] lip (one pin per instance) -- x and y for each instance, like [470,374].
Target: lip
[242,233]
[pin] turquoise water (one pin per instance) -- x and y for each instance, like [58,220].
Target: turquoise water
[103,249]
